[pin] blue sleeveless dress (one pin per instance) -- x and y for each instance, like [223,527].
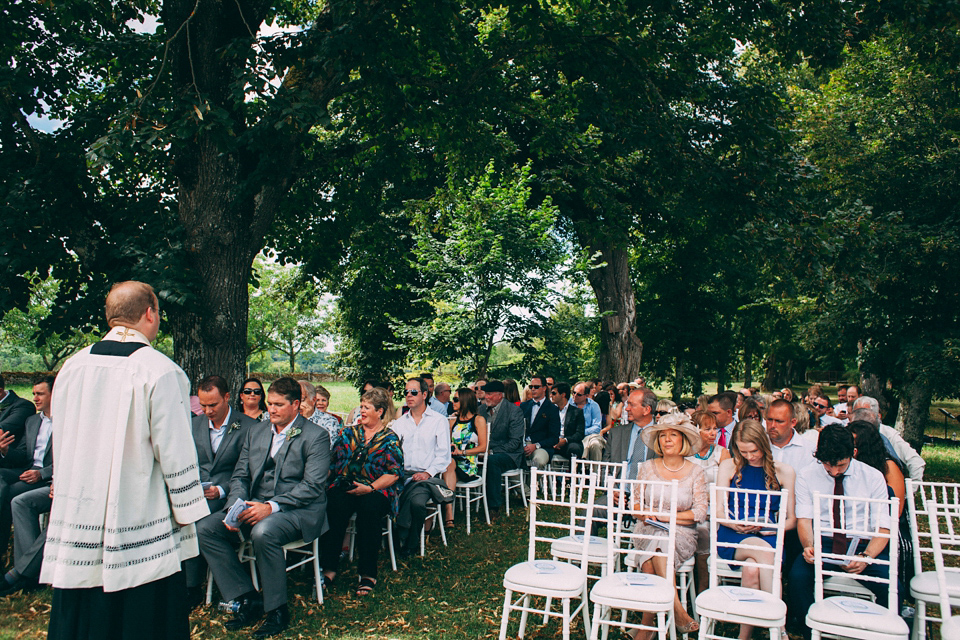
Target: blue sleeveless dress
[750,478]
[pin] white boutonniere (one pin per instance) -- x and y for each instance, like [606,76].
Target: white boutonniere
[234,426]
[293,433]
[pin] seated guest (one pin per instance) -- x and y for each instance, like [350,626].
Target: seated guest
[870,450]
[468,439]
[218,435]
[570,443]
[786,444]
[511,391]
[14,412]
[672,439]
[251,400]
[626,443]
[753,467]
[28,539]
[709,458]
[594,442]
[367,463]
[314,408]
[281,476]
[368,385]
[505,449]
[750,410]
[29,464]
[542,420]
[837,472]
[425,438]
[899,449]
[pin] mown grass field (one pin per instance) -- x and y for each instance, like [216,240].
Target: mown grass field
[454,592]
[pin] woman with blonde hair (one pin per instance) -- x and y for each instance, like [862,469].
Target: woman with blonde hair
[709,458]
[753,467]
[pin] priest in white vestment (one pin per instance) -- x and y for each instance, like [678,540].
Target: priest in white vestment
[126,483]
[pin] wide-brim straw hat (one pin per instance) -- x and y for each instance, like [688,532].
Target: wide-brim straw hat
[677,421]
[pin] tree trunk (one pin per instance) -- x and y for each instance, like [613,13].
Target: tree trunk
[915,412]
[620,348]
[697,381]
[676,391]
[747,367]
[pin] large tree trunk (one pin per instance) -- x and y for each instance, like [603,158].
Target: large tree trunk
[747,367]
[915,411]
[620,348]
[677,389]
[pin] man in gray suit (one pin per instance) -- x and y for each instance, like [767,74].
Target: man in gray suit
[625,444]
[14,412]
[505,448]
[218,435]
[30,464]
[281,477]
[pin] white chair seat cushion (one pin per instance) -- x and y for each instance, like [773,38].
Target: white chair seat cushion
[544,575]
[866,616]
[753,603]
[572,547]
[622,589]
[925,586]
[950,629]
[471,484]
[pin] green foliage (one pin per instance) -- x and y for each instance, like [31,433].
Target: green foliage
[491,256]
[566,345]
[286,312]
[26,345]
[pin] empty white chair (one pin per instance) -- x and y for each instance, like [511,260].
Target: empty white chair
[513,479]
[550,579]
[637,592]
[848,616]
[924,587]
[945,537]
[738,604]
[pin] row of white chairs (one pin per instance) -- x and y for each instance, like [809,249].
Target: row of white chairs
[572,550]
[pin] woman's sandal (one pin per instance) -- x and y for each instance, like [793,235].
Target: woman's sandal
[448,524]
[366,587]
[692,627]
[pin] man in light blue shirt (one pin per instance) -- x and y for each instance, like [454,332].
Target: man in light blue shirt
[593,441]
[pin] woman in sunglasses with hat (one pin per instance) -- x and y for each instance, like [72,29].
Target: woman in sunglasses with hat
[250,400]
[673,438]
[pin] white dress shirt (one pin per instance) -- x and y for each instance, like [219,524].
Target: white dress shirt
[798,453]
[278,439]
[563,416]
[860,480]
[534,410]
[216,435]
[43,437]
[426,446]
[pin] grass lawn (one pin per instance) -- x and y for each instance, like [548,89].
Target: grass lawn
[454,592]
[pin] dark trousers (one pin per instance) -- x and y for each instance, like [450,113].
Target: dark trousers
[497,463]
[800,588]
[10,487]
[371,509]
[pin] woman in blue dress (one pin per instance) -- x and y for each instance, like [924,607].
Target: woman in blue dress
[753,467]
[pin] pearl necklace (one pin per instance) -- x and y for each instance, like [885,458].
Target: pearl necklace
[664,463]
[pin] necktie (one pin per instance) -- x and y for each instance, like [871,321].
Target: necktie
[723,437]
[636,456]
[839,539]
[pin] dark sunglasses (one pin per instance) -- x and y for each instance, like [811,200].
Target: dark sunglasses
[536,386]
[456,398]
[252,392]
[661,413]
[411,392]
[820,406]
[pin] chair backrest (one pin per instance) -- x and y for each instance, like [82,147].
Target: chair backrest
[554,516]
[733,506]
[945,539]
[861,519]
[596,469]
[647,501]
[919,495]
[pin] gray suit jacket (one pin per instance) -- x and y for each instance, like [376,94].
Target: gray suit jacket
[618,444]
[14,412]
[22,455]
[218,468]
[300,478]
[507,431]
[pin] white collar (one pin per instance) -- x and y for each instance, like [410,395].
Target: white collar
[125,334]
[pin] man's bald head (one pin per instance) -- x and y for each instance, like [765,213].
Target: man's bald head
[128,301]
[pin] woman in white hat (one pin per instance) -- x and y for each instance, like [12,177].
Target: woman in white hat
[673,438]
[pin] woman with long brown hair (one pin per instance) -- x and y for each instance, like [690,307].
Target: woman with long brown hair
[753,467]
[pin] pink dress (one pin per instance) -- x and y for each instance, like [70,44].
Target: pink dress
[691,495]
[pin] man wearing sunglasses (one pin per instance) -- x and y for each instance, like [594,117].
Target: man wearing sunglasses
[542,420]
[425,439]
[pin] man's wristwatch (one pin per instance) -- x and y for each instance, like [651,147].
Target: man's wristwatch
[864,554]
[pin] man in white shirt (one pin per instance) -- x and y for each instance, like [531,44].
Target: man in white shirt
[835,455]
[785,443]
[425,439]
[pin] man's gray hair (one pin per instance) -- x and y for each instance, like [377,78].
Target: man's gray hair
[650,399]
[866,402]
[866,414]
[309,391]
